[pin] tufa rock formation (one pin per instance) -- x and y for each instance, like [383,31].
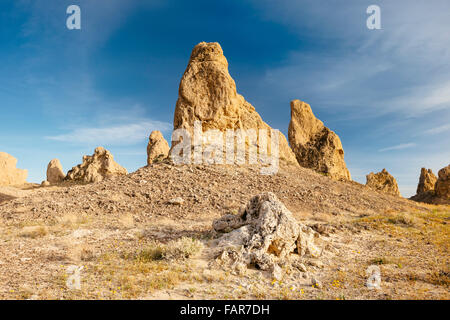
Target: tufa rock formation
[425,189]
[55,173]
[443,183]
[315,146]
[427,181]
[383,181]
[157,148]
[97,167]
[264,234]
[433,190]
[208,93]
[9,174]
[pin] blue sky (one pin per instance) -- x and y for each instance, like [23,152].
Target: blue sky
[385,92]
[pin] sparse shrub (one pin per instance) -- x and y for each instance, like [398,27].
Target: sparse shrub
[387,260]
[402,219]
[182,248]
[380,261]
[440,277]
[86,254]
[33,232]
[72,221]
[153,253]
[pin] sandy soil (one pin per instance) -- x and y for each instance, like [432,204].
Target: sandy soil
[113,227]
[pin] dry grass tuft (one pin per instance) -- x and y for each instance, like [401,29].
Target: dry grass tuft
[183,248]
[33,232]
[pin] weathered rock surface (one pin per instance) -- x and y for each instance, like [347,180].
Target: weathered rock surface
[443,183]
[315,146]
[9,174]
[263,234]
[157,148]
[55,173]
[383,181]
[207,93]
[427,181]
[45,183]
[97,167]
[432,189]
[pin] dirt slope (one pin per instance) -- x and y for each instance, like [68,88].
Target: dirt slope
[208,191]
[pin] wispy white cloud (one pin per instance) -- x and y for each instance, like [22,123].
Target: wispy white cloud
[398,147]
[129,134]
[79,110]
[421,99]
[437,130]
[401,69]
[439,96]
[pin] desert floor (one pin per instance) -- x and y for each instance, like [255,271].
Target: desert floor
[134,244]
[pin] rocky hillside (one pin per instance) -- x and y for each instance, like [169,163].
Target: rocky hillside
[207,190]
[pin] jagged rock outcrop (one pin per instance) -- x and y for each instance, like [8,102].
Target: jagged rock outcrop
[443,183]
[432,189]
[157,148]
[425,189]
[427,181]
[97,167]
[383,181]
[55,173]
[263,234]
[315,146]
[9,174]
[207,93]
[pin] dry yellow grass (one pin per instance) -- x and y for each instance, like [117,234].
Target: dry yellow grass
[418,243]
[124,274]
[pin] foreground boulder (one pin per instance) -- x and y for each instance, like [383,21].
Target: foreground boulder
[157,148]
[55,173]
[315,146]
[9,174]
[263,234]
[443,183]
[427,181]
[383,181]
[207,93]
[97,167]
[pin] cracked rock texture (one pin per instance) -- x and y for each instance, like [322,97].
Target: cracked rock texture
[315,146]
[427,181]
[443,183]
[207,93]
[158,148]
[263,234]
[97,167]
[382,181]
[55,173]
